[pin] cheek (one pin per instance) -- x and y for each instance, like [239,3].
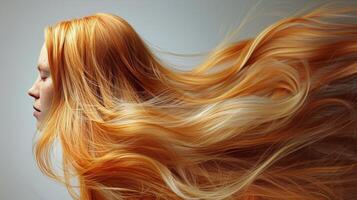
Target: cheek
[46,95]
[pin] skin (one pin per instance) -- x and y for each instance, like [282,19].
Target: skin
[42,88]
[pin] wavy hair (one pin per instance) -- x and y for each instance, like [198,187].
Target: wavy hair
[269,117]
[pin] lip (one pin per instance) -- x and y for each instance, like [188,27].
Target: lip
[38,110]
[36,113]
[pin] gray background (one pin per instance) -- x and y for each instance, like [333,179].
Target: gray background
[180,26]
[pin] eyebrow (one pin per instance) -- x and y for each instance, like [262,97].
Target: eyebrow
[41,68]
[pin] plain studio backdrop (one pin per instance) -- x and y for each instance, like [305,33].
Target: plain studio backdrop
[179,26]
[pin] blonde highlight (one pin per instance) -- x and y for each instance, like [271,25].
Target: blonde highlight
[277,122]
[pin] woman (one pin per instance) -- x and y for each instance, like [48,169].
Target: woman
[271,117]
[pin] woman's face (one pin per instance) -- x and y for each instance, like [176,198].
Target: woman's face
[42,89]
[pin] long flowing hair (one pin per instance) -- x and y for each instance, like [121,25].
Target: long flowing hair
[269,117]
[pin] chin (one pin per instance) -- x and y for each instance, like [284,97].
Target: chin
[38,125]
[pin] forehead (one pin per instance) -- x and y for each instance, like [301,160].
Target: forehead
[42,59]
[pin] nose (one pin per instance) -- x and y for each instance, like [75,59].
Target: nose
[33,91]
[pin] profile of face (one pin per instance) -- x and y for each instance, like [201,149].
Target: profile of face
[42,89]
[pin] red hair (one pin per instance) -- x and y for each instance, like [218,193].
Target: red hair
[271,117]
